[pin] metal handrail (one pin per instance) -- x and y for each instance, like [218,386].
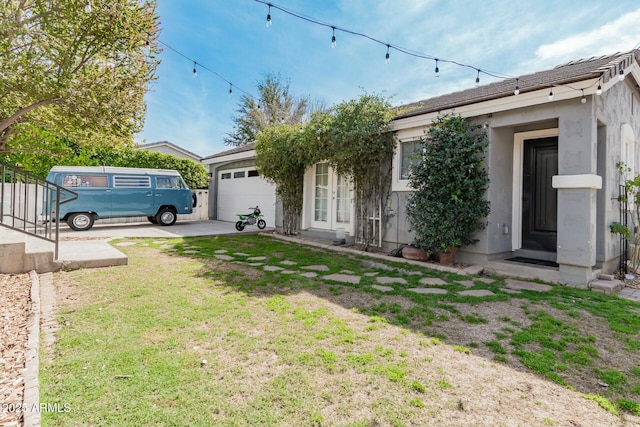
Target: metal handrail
[26,202]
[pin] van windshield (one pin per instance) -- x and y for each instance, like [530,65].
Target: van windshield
[169,182]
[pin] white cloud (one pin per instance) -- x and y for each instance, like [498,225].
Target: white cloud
[617,36]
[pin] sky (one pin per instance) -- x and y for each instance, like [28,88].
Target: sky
[230,39]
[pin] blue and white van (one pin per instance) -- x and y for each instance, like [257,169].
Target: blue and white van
[113,192]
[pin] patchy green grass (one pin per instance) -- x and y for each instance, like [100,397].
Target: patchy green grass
[131,349]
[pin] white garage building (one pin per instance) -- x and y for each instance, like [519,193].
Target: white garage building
[236,185]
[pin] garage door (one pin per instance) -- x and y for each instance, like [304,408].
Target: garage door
[240,189]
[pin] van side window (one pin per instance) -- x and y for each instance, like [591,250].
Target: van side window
[168,182]
[72,180]
[131,182]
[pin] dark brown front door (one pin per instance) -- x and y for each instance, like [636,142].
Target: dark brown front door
[539,198]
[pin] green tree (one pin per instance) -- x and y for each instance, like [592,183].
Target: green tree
[75,68]
[275,105]
[448,205]
[357,140]
[282,156]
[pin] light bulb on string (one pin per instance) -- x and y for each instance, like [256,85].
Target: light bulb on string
[230,89]
[516,91]
[621,75]
[584,98]
[269,16]
[437,71]
[195,72]
[478,78]
[387,57]
[550,94]
[599,89]
[333,38]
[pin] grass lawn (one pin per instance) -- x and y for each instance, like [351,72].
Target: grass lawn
[182,336]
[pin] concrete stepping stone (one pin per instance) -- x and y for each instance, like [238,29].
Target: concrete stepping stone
[167,247]
[486,280]
[224,257]
[371,274]
[288,272]
[287,262]
[254,264]
[467,283]
[510,291]
[125,244]
[528,286]
[433,281]
[272,268]
[257,258]
[241,254]
[391,280]
[477,293]
[220,251]
[316,267]
[414,273]
[346,271]
[428,290]
[382,288]
[191,251]
[309,275]
[345,278]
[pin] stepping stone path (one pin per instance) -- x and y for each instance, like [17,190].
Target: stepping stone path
[477,293]
[191,251]
[272,268]
[316,267]
[224,257]
[428,290]
[288,272]
[467,283]
[287,262]
[257,258]
[344,278]
[486,280]
[510,291]
[528,286]
[371,274]
[167,247]
[310,274]
[382,288]
[433,281]
[391,280]
[220,251]
[241,254]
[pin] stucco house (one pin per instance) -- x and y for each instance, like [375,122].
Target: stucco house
[237,185]
[551,159]
[167,147]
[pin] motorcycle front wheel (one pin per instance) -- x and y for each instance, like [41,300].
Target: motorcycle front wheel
[239,226]
[262,224]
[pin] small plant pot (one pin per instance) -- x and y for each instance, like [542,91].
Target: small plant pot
[448,258]
[417,254]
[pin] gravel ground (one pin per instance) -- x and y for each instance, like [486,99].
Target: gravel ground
[15,306]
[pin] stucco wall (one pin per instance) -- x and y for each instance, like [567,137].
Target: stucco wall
[589,141]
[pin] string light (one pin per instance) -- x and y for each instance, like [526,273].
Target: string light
[333,38]
[621,75]
[584,98]
[269,15]
[478,78]
[599,89]
[550,94]
[230,89]
[437,72]
[195,72]
[516,91]
[387,57]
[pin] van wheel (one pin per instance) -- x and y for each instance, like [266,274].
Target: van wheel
[195,200]
[152,219]
[166,216]
[81,221]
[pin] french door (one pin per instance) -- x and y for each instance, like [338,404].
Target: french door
[332,200]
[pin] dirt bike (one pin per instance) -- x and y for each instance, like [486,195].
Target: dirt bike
[252,218]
